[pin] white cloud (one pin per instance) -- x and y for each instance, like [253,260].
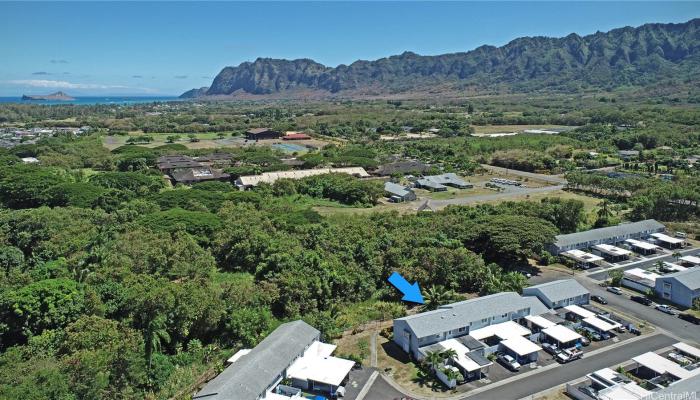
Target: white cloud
[45,83]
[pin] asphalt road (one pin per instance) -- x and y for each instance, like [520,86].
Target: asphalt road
[560,375]
[670,323]
[381,390]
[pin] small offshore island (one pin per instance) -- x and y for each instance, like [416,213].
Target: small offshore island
[49,97]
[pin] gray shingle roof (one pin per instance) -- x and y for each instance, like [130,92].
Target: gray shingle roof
[610,232]
[396,189]
[446,179]
[250,376]
[560,290]
[429,183]
[689,278]
[457,315]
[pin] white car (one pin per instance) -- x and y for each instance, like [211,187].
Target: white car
[613,289]
[666,309]
[509,362]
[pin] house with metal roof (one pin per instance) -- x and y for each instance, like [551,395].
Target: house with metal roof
[561,293]
[440,182]
[680,288]
[262,133]
[398,193]
[459,319]
[427,184]
[293,351]
[608,235]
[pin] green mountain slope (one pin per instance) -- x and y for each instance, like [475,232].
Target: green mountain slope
[627,56]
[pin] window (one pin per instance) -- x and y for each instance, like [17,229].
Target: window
[463,329]
[484,320]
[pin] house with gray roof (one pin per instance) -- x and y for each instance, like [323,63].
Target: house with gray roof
[608,235]
[293,351]
[398,193]
[455,320]
[440,182]
[427,184]
[680,288]
[561,293]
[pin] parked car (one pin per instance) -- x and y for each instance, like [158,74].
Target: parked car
[614,289]
[585,341]
[527,274]
[642,300]
[604,335]
[666,309]
[633,329]
[589,391]
[599,299]
[593,334]
[550,348]
[621,329]
[509,362]
[690,318]
[568,355]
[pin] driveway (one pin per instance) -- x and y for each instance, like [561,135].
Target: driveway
[381,390]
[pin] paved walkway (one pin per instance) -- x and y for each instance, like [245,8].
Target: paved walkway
[373,350]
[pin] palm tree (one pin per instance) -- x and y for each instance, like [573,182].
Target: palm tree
[448,354]
[433,358]
[438,295]
[603,214]
[154,336]
[677,255]
[660,265]
[604,211]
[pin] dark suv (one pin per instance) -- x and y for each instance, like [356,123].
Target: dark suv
[690,318]
[641,300]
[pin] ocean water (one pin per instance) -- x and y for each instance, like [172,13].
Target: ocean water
[94,100]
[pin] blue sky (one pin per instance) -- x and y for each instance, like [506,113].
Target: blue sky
[164,48]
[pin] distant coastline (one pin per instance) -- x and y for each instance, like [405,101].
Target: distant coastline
[91,100]
[58,96]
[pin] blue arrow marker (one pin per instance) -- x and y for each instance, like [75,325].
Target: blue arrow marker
[410,292]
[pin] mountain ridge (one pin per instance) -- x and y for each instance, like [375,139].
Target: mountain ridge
[627,56]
